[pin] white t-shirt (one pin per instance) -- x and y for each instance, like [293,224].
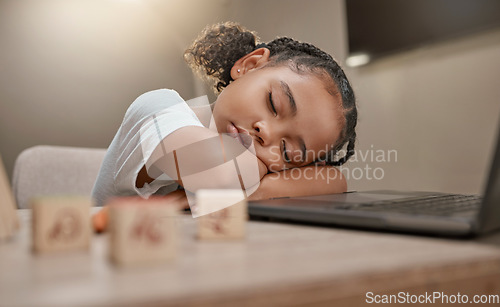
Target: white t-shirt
[148,120]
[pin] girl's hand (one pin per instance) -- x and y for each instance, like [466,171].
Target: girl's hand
[178,196]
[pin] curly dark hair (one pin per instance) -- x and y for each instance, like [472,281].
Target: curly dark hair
[219,46]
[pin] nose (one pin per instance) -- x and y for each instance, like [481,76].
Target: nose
[265,133]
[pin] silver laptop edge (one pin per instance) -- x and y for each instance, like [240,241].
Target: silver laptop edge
[489,215]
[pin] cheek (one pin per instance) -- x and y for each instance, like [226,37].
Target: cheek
[271,157]
[224,111]
[219,116]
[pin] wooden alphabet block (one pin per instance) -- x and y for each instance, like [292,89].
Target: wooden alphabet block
[9,222]
[142,231]
[227,223]
[60,223]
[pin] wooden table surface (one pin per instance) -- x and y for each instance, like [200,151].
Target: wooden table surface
[276,265]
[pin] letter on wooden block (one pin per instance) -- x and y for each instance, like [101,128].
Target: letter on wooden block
[60,223]
[227,223]
[142,231]
[9,222]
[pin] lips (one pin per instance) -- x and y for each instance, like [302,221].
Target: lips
[239,134]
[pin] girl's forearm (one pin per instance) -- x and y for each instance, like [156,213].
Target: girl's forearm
[303,181]
[199,158]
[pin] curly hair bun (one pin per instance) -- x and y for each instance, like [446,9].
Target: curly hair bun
[215,51]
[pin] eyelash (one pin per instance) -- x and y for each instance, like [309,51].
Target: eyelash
[271,104]
[285,155]
[273,110]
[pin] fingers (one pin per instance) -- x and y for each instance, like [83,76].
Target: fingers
[179,197]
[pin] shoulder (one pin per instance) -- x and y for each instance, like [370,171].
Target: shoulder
[160,94]
[153,102]
[164,97]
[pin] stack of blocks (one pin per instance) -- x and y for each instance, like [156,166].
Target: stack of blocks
[60,223]
[142,231]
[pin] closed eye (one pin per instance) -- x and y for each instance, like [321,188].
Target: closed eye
[284,151]
[271,104]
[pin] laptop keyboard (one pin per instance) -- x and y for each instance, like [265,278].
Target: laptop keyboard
[429,205]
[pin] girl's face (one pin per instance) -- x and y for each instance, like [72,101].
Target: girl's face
[292,118]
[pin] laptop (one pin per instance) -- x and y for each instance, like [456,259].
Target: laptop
[428,213]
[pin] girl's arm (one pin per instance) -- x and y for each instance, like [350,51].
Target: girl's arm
[188,145]
[198,158]
[195,151]
[303,181]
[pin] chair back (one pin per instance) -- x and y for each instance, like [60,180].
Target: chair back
[55,170]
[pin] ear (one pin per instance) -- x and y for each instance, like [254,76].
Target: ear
[255,59]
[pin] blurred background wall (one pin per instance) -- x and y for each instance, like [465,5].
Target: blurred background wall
[70,68]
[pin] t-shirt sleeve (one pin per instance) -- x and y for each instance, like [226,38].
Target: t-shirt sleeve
[150,118]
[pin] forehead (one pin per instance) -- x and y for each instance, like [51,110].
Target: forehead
[319,120]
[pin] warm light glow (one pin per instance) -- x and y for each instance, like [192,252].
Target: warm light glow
[359,59]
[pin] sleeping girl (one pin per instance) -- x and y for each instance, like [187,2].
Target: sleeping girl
[287,100]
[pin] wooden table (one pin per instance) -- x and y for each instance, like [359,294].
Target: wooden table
[277,265]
